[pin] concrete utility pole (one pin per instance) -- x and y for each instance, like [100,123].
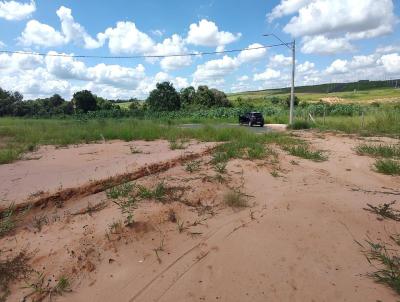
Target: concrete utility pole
[292,47]
[291,114]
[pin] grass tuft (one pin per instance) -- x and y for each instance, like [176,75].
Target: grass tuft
[11,270]
[387,263]
[119,191]
[235,199]
[387,166]
[386,151]
[193,166]
[304,151]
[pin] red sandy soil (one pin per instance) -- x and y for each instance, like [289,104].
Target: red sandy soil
[51,169]
[295,241]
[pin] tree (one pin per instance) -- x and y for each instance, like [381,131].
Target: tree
[187,96]
[85,101]
[56,100]
[220,99]
[164,98]
[8,99]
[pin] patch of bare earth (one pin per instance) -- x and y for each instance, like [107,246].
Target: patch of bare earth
[295,241]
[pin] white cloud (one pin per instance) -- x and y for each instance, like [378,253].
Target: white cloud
[323,45]
[127,38]
[363,61]
[341,16]
[338,66]
[280,60]
[286,7]
[74,32]
[388,49]
[206,33]
[215,69]
[268,74]
[39,34]
[243,78]
[2,44]
[305,68]
[172,46]
[391,62]
[36,33]
[329,26]
[66,67]
[13,10]
[254,53]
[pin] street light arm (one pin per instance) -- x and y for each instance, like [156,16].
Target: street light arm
[286,43]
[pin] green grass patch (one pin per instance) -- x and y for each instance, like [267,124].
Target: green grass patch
[300,124]
[304,151]
[387,166]
[386,151]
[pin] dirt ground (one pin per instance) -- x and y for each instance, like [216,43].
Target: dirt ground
[50,168]
[296,240]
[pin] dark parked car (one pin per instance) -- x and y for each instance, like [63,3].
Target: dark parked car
[252,118]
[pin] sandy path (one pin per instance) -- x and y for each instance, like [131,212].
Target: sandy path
[299,245]
[51,169]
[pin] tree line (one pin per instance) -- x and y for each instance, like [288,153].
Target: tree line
[163,98]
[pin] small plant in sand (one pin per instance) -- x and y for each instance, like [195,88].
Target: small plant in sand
[159,249]
[127,206]
[275,173]
[385,210]
[386,261]
[180,225]
[41,290]
[39,222]
[220,167]
[387,166]
[177,144]
[193,166]
[119,191]
[158,193]
[304,151]
[135,150]
[7,221]
[116,227]
[294,163]
[235,199]
[11,270]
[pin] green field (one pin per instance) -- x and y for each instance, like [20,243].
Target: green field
[367,96]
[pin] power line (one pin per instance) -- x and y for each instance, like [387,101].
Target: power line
[138,56]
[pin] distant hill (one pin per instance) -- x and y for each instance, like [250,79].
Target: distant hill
[333,87]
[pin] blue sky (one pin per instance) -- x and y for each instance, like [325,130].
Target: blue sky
[342,40]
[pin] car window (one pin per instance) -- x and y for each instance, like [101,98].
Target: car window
[257,115]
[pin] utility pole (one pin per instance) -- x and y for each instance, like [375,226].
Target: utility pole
[291,114]
[292,47]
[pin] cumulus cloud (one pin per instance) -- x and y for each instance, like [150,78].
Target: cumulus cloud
[36,33]
[206,33]
[280,60]
[286,7]
[172,46]
[126,38]
[214,71]
[391,62]
[323,45]
[14,11]
[74,32]
[329,26]
[254,53]
[39,34]
[268,74]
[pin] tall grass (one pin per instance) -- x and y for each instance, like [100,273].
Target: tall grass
[386,122]
[21,135]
